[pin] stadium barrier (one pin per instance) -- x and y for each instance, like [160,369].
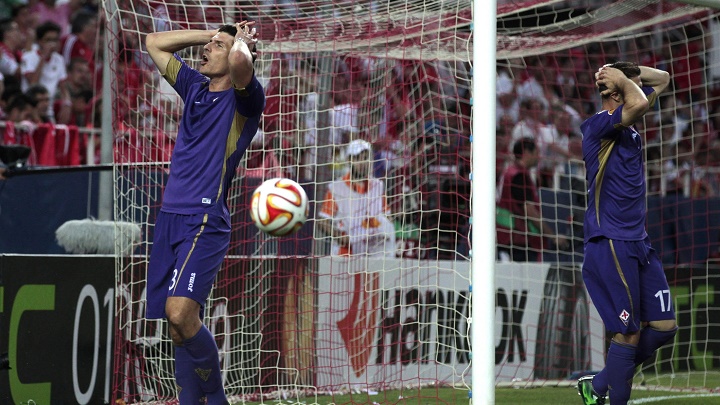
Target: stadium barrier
[50,144]
[56,328]
[56,324]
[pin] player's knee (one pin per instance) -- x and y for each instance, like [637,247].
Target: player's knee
[666,325]
[627,339]
[183,317]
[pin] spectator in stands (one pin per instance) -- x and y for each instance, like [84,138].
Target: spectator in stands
[44,65]
[398,106]
[530,82]
[563,144]
[507,101]
[503,158]
[81,41]
[308,107]
[27,23]
[50,10]
[688,62]
[532,125]
[40,100]
[354,213]
[520,227]
[129,78]
[19,108]
[506,124]
[11,43]
[79,77]
[344,114]
[78,112]
[532,113]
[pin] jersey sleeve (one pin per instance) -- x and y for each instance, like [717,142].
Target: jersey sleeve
[181,76]
[251,99]
[603,125]
[651,95]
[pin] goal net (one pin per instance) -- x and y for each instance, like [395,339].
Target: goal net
[547,53]
[292,319]
[295,322]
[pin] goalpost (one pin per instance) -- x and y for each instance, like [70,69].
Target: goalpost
[294,323]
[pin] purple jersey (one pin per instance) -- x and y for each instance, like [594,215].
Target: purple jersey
[215,131]
[615,176]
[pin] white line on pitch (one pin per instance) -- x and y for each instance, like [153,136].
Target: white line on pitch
[658,399]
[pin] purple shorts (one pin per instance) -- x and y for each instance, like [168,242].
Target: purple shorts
[627,284]
[186,255]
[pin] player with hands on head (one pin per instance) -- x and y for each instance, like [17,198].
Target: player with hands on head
[223,103]
[622,272]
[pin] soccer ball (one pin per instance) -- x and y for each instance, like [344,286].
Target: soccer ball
[279,207]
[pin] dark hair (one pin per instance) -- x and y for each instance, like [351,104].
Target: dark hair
[34,91]
[528,102]
[74,62]
[18,101]
[5,26]
[17,9]
[83,94]
[523,145]
[230,29]
[44,28]
[81,19]
[630,69]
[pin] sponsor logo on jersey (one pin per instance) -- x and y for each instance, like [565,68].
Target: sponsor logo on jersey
[206,201]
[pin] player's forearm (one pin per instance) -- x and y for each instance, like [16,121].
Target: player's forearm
[635,102]
[240,60]
[654,77]
[173,41]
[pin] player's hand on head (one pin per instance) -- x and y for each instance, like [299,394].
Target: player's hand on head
[246,33]
[608,77]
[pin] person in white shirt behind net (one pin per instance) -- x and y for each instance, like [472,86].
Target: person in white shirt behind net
[354,212]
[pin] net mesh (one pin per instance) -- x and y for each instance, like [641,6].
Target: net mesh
[547,53]
[291,320]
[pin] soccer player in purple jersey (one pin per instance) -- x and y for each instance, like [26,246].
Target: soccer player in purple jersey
[223,104]
[622,272]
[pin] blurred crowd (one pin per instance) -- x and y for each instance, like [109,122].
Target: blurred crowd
[547,97]
[49,68]
[414,113]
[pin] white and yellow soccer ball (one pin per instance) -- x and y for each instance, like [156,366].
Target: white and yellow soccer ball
[279,207]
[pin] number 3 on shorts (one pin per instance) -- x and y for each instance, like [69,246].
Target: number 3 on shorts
[174,280]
